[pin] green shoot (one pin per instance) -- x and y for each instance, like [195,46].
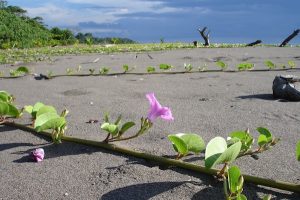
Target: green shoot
[103,70]
[188,67]
[270,64]
[165,67]
[150,69]
[245,66]
[221,64]
[292,64]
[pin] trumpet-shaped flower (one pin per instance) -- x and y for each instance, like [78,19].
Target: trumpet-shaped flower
[156,110]
[38,154]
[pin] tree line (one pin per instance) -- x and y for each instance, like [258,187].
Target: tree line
[17,30]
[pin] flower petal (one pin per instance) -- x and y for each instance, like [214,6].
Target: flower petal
[166,114]
[156,110]
[38,154]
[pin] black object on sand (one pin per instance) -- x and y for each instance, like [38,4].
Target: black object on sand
[284,88]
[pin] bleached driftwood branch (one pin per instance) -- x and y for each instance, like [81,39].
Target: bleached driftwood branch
[289,38]
[204,35]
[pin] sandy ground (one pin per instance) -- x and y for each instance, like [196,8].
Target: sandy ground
[209,104]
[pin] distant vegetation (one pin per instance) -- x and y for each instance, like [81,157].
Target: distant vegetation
[17,30]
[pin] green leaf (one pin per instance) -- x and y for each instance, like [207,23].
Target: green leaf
[269,64]
[13,111]
[42,119]
[241,197]
[36,108]
[298,151]
[110,128]
[217,152]
[4,108]
[264,137]
[230,154]
[165,66]
[292,64]
[178,144]
[45,109]
[193,141]
[126,126]
[125,68]
[54,123]
[246,139]
[234,184]
[214,149]
[221,64]
[245,66]
[5,96]
[150,69]
[28,109]
[23,69]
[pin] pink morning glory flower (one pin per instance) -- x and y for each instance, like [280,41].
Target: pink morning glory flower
[156,110]
[38,154]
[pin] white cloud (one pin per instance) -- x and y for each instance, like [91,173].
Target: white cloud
[57,16]
[72,12]
[99,11]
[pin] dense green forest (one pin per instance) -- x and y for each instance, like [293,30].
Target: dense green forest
[17,30]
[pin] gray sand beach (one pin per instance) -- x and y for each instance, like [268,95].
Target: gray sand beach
[208,103]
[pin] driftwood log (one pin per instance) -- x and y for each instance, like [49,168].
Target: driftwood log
[253,43]
[204,35]
[289,38]
[195,43]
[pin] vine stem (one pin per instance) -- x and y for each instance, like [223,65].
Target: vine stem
[122,139]
[158,73]
[166,161]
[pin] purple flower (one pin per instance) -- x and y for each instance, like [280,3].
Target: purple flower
[156,110]
[38,154]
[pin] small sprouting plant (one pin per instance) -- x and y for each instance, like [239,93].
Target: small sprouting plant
[150,69]
[69,71]
[188,67]
[115,131]
[233,184]
[19,71]
[183,143]
[126,68]
[202,68]
[92,71]
[221,64]
[103,70]
[270,64]
[245,66]
[292,64]
[47,118]
[165,67]
[7,109]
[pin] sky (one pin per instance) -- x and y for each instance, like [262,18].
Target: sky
[229,21]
